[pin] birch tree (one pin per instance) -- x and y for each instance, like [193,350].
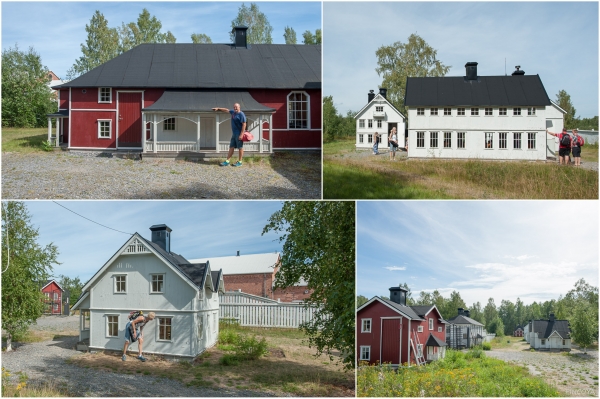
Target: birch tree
[259,28]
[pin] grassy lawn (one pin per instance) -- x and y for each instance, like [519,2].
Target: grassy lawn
[470,374]
[23,140]
[505,342]
[589,153]
[349,175]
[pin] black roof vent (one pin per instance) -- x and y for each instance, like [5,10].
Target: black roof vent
[371,96]
[161,235]
[471,71]
[398,295]
[460,311]
[240,36]
[518,71]
[383,92]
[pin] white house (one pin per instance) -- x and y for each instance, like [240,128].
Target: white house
[485,117]
[379,115]
[465,332]
[146,275]
[549,334]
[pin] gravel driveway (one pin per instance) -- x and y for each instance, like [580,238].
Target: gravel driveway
[45,361]
[72,175]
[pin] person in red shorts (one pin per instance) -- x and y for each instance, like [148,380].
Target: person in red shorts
[564,150]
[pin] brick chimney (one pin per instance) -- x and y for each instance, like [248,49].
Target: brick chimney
[161,235]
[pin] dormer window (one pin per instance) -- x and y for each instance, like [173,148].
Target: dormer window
[104,95]
[379,108]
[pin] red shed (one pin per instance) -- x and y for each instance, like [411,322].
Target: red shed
[389,331]
[53,296]
[159,98]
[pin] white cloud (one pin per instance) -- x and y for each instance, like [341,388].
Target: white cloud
[392,268]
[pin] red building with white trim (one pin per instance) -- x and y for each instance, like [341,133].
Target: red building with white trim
[53,296]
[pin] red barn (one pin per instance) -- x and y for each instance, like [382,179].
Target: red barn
[389,331]
[158,98]
[53,296]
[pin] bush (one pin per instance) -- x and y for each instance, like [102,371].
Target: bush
[486,346]
[475,353]
[229,360]
[250,348]
[228,336]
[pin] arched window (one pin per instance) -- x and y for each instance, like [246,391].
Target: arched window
[298,110]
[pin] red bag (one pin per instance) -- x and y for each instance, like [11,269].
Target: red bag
[580,141]
[247,136]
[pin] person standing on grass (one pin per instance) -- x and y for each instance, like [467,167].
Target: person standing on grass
[376,145]
[134,331]
[564,150]
[576,147]
[393,144]
[238,127]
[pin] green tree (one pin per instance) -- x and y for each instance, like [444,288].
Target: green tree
[289,35]
[584,325]
[563,99]
[72,285]
[309,38]
[361,300]
[506,311]
[318,247]
[259,28]
[25,264]
[26,97]
[452,305]
[400,60]
[490,313]
[200,38]
[145,30]
[438,300]
[409,298]
[497,327]
[331,120]
[477,313]
[424,299]
[102,45]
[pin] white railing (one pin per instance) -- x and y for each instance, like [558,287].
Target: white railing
[177,146]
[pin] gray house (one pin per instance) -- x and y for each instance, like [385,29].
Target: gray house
[549,334]
[464,332]
[146,275]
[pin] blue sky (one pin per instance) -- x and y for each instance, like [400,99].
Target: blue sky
[535,250]
[556,40]
[57,29]
[200,229]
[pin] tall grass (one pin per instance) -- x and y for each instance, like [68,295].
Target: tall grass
[459,374]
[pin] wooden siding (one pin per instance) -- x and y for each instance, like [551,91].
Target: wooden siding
[130,119]
[375,311]
[84,129]
[89,99]
[390,341]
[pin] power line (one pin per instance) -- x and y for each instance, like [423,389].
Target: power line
[110,228]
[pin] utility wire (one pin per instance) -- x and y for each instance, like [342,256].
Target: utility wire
[110,228]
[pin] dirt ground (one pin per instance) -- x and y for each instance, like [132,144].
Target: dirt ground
[572,373]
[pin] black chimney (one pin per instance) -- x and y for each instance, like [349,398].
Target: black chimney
[467,313]
[461,311]
[471,70]
[383,92]
[551,317]
[398,295]
[518,71]
[161,235]
[240,38]
[371,96]
[238,253]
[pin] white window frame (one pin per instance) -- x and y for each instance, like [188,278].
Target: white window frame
[430,324]
[115,285]
[531,140]
[290,110]
[460,139]
[531,111]
[167,122]
[502,111]
[433,111]
[447,111]
[419,329]
[421,139]
[489,112]
[55,296]
[517,111]
[379,123]
[108,325]
[379,108]
[517,138]
[420,111]
[503,139]
[461,112]
[365,349]
[159,325]
[434,137]
[363,323]
[474,111]
[448,136]
[85,324]
[162,291]
[440,329]
[100,122]
[370,123]
[361,138]
[100,95]
[369,138]
[361,123]
[489,135]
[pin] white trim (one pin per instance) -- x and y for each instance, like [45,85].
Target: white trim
[114,276]
[95,110]
[162,291]
[361,352]
[378,98]
[92,148]
[99,122]
[431,322]
[296,148]
[362,325]
[70,110]
[376,298]
[158,339]
[100,95]
[295,130]
[81,299]
[307,109]
[107,331]
[53,281]
[419,329]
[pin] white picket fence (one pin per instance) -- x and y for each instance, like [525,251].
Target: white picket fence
[254,311]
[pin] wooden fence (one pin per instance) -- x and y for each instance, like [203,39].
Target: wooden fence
[254,311]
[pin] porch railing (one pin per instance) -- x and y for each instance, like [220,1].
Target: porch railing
[178,146]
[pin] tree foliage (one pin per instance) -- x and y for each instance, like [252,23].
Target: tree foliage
[26,97]
[310,38]
[563,99]
[361,300]
[289,35]
[318,247]
[396,62]
[259,29]
[25,265]
[145,30]
[201,38]
[584,325]
[335,125]
[73,287]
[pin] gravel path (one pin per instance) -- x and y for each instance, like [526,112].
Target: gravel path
[46,361]
[73,175]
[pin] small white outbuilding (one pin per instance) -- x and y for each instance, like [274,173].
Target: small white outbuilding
[379,115]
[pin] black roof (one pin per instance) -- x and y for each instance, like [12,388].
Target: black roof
[461,319]
[407,310]
[209,66]
[194,101]
[544,328]
[421,310]
[525,90]
[434,341]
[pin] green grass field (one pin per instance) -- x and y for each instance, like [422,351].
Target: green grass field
[23,140]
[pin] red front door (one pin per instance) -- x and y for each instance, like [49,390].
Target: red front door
[390,341]
[130,120]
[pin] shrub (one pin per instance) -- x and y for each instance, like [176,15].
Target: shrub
[486,346]
[228,336]
[250,348]
[475,353]
[229,360]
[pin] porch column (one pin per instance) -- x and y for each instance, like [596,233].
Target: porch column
[57,132]
[143,132]
[49,129]
[154,140]
[260,131]
[217,133]
[198,133]
[271,133]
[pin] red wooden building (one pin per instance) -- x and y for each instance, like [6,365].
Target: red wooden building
[518,331]
[53,296]
[158,98]
[389,331]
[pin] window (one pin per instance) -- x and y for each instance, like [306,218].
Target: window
[366,326]
[420,111]
[433,112]
[104,129]
[531,141]
[564,342]
[379,108]
[516,111]
[379,123]
[56,296]
[105,95]
[420,329]
[502,140]
[460,111]
[489,140]
[164,328]
[433,139]
[440,329]
[112,324]
[489,111]
[85,320]
[169,124]
[120,283]
[158,281]
[370,138]
[47,295]
[531,111]
[474,111]
[370,123]
[420,139]
[365,353]
[462,139]
[298,110]
[447,111]
[517,141]
[447,139]
[361,123]
[543,342]
[502,111]
[361,138]
[430,324]
[419,350]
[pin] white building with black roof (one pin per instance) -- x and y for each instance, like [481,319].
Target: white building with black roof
[378,115]
[549,335]
[481,117]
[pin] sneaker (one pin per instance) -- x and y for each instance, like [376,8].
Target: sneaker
[237,164]
[142,358]
[124,358]
[224,163]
